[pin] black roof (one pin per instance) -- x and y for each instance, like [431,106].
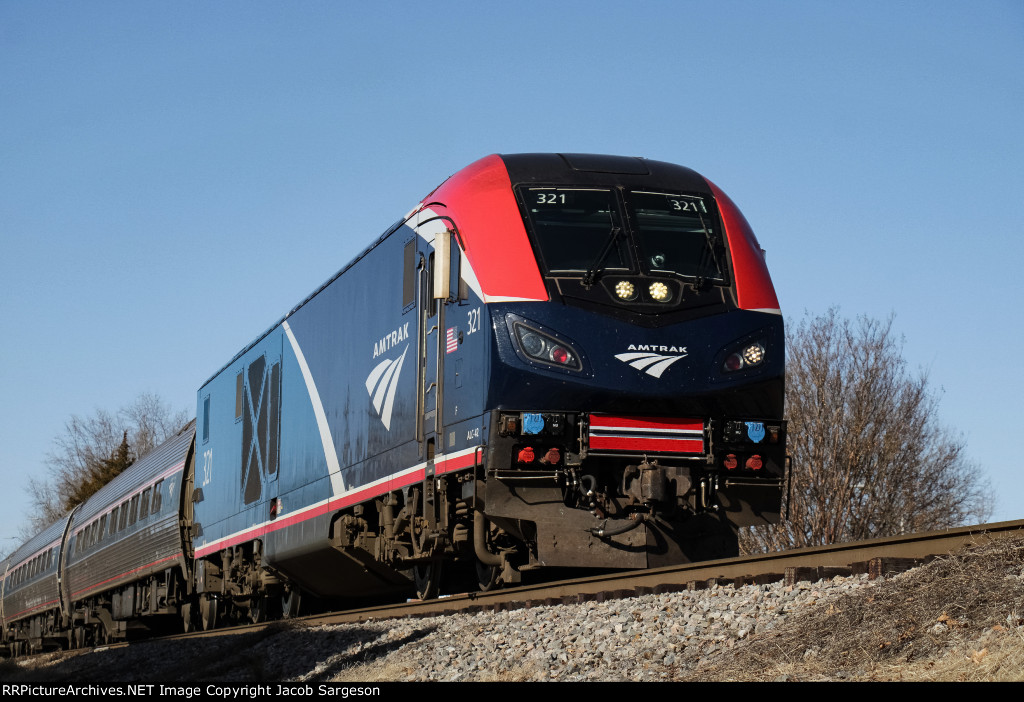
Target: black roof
[600,169]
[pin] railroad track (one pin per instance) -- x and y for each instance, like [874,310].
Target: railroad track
[876,557]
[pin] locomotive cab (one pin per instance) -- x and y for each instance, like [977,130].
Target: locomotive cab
[635,381]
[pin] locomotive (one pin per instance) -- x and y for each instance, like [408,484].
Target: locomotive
[552,361]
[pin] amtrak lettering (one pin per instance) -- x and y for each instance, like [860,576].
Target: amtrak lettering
[649,359]
[658,349]
[390,340]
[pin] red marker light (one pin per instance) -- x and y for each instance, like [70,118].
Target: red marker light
[559,355]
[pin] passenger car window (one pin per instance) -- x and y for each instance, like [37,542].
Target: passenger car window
[144,505]
[156,496]
[133,510]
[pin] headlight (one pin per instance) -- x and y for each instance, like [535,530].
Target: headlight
[532,343]
[538,346]
[660,292]
[750,356]
[753,354]
[625,290]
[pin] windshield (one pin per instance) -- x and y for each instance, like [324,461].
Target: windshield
[573,225]
[676,234]
[672,233]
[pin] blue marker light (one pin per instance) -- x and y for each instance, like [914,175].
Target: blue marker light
[532,423]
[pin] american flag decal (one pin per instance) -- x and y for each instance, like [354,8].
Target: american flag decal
[452,340]
[610,434]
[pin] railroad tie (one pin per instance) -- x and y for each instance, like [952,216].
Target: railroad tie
[886,567]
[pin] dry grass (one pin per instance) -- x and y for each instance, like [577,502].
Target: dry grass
[995,656]
[960,617]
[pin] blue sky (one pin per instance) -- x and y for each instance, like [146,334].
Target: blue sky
[175,176]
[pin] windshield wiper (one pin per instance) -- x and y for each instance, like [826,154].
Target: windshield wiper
[591,274]
[711,241]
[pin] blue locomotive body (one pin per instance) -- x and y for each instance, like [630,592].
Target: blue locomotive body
[392,421]
[323,411]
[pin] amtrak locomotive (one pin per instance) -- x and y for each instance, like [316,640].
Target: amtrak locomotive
[554,360]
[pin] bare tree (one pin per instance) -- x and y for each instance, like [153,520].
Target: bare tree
[93,450]
[869,458]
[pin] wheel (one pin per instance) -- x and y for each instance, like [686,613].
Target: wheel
[291,603]
[487,577]
[427,578]
[188,622]
[258,609]
[208,611]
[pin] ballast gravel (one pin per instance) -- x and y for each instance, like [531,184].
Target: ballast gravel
[645,638]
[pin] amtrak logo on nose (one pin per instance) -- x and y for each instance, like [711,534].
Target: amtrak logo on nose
[645,357]
[382,384]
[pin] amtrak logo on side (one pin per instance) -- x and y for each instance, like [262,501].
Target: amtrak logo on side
[391,340]
[645,357]
[382,384]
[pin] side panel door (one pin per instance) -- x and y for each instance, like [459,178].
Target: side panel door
[430,315]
